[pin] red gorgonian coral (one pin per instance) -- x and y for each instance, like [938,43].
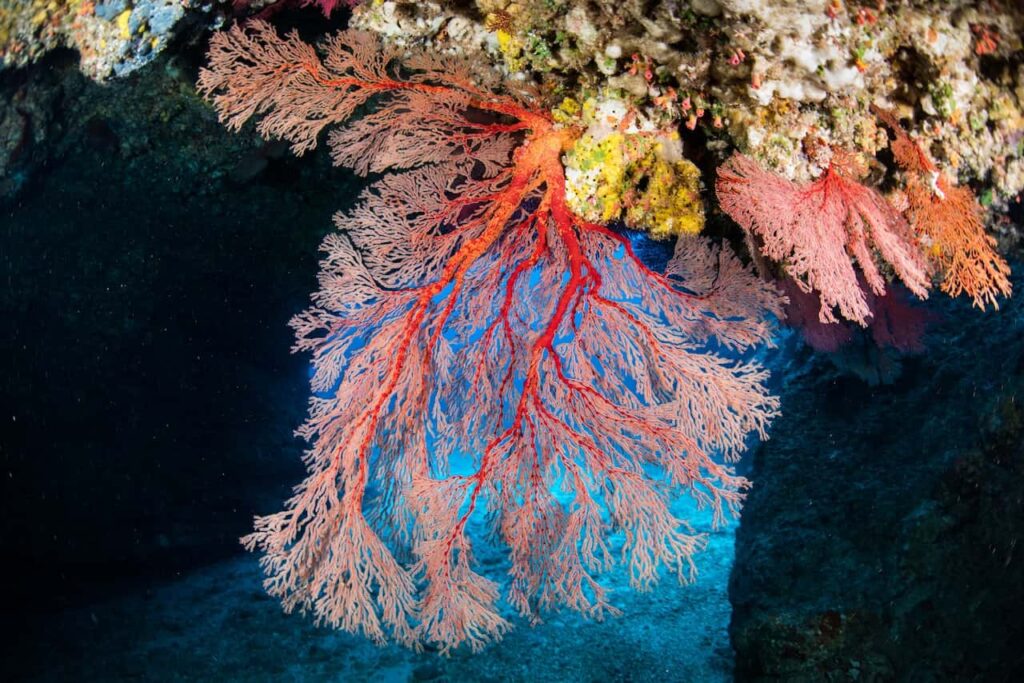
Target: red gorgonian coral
[479,346]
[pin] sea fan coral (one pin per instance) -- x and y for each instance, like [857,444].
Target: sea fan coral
[949,217]
[477,344]
[820,229]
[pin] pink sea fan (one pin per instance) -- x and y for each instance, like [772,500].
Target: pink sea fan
[820,230]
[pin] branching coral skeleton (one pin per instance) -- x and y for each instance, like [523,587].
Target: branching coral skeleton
[821,229]
[949,218]
[465,309]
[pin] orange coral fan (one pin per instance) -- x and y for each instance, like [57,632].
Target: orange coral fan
[962,250]
[820,229]
[951,219]
[466,313]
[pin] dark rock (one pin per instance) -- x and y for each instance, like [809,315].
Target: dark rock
[427,672]
[878,542]
[147,394]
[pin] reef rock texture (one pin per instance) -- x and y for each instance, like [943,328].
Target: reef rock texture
[878,543]
[764,76]
[767,77]
[113,37]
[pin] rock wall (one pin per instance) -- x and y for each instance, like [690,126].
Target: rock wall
[150,263]
[880,540]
